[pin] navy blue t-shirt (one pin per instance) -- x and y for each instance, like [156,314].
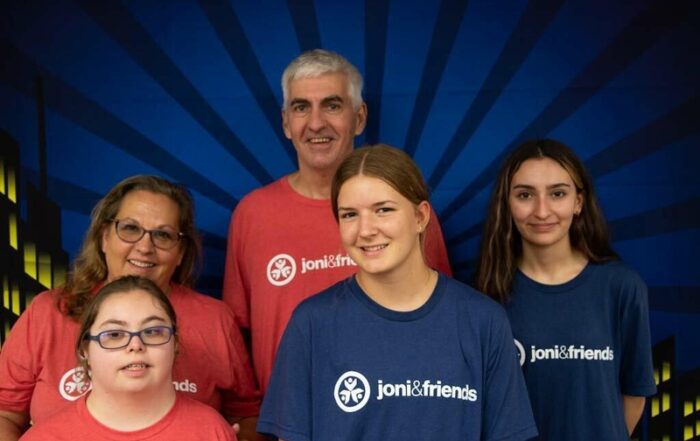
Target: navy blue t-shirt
[582,345]
[349,369]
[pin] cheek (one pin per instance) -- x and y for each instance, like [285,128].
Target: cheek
[518,211]
[165,357]
[98,361]
[292,128]
[347,233]
[566,210]
[114,253]
[170,259]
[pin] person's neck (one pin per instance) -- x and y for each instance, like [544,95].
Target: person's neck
[313,184]
[401,290]
[130,411]
[552,265]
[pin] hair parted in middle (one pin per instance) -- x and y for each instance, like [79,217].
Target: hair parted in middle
[501,243]
[121,285]
[89,268]
[317,62]
[381,161]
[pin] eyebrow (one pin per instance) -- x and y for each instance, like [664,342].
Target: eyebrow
[298,101]
[160,227]
[152,318]
[549,187]
[332,99]
[324,101]
[376,204]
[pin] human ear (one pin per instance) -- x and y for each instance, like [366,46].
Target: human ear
[360,119]
[285,125]
[103,242]
[578,206]
[423,215]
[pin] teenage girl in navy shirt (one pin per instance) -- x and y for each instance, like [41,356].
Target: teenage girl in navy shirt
[579,315]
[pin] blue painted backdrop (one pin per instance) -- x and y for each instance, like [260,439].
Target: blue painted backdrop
[190,90]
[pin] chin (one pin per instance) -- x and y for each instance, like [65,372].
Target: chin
[375,270]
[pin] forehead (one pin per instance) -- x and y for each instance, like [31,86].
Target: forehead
[319,87]
[130,306]
[543,171]
[367,190]
[146,206]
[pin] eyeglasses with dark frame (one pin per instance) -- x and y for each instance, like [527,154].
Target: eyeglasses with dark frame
[131,231]
[120,338]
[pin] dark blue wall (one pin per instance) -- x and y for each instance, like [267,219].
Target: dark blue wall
[190,90]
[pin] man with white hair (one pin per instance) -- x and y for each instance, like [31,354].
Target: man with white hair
[283,240]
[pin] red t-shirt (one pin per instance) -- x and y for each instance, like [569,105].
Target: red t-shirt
[188,420]
[39,372]
[282,248]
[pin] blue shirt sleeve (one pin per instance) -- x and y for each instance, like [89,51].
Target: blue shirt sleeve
[507,411]
[286,409]
[636,368]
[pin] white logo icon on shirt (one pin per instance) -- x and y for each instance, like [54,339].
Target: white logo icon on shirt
[74,384]
[521,351]
[351,391]
[281,269]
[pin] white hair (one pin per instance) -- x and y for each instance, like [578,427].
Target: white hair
[314,63]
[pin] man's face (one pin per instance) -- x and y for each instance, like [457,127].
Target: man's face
[321,122]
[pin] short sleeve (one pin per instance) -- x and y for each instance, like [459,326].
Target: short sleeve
[286,409]
[507,411]
[636,368]
[236,293]
[17,367]
[243,399]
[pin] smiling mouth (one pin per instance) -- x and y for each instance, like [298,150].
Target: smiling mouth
[541,227]
[141,264]
[373,248]
[319,140]
[135,366]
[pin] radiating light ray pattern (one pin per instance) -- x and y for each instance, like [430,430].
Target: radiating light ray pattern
[190,90]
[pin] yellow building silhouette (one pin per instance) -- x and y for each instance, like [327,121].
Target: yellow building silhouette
[31,257]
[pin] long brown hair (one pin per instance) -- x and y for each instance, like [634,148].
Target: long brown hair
[89,268]
[501,243]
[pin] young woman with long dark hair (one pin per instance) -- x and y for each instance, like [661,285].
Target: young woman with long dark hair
[579,315]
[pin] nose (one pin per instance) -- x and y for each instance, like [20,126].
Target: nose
[317,120]
[136,344]
[145,244]
[368,226]
[542,208]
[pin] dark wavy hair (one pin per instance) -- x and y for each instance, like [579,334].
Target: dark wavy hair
[501,243]
[89,268]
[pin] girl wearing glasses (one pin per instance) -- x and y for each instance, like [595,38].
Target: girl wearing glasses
[145,227]
[127,343]
[579,315]
[397,351]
